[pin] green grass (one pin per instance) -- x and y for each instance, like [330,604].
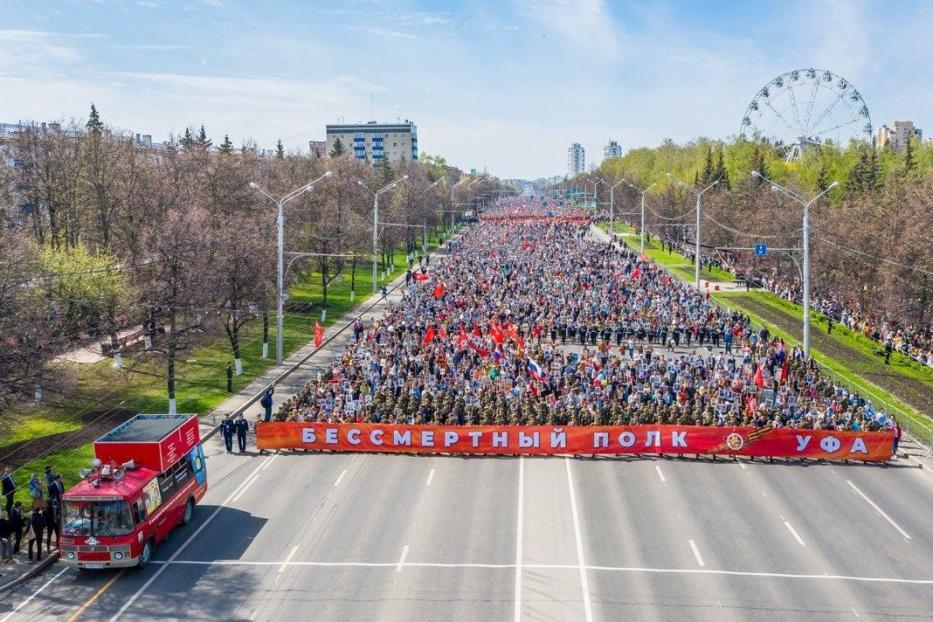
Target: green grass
[673,261]
[857,341]
[837,368]
[201,381]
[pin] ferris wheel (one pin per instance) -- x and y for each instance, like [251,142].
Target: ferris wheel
[807,107]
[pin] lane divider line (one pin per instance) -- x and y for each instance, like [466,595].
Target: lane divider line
[696,552]
[794,533]
[519,537]
[660,473]
[342,473]
[587,606]
[401,560]
[288,559]
[90,601]
[33,595]
[430,477]
[879,510]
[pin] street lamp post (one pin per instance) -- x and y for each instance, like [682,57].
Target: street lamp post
[376,221]
[643,193]
[280,261]
[775,187]
[612,208]
[699,195]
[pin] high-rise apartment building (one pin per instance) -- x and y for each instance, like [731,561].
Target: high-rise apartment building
[375,141]
[612,150]
[897,135]
[576,159]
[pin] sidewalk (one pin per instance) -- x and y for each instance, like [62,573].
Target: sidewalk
[319,362]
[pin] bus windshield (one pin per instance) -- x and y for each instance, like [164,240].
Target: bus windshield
[96,518]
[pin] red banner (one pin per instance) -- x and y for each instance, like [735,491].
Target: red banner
[536,218]
[586,440]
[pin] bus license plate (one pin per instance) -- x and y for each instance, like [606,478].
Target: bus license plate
[94,566]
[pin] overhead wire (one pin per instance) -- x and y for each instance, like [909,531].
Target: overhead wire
[875,257]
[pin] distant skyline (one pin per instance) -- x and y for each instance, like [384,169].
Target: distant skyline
[496,84]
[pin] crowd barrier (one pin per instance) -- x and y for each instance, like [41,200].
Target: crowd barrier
[542,440]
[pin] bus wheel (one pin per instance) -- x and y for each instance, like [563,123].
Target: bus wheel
[146,555]
[189,512]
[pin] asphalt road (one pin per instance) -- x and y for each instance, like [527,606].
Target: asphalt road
[378,537]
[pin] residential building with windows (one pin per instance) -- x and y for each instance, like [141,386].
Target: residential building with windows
[576,159]
[896,136]
[612,150]
[375,141]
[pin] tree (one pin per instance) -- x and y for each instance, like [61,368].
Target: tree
[822,180]
[226,146]
[187,140]
[279,150]
[910,162]
[203,142]
[758,164]
[721,173]
[337,150]
[94,125]
[708,170]
[386,171]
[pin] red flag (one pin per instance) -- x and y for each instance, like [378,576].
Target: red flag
[514,336]
[439,290]
[497,335]
[420,276]
[462,338]
[476,331]
[429,335]
[318,334]
[636,273]
[759,377]
[785,370]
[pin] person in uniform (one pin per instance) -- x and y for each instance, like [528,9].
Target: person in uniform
[226,430]
[241,426]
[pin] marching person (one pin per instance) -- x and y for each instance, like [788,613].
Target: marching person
[266,402]
[226,430]
[54,515]
[35,490]
[17,522]
[242,426]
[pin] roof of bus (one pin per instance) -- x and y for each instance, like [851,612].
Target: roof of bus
[132,482]
[144,429]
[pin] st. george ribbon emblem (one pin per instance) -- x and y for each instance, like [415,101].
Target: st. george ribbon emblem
[735,441]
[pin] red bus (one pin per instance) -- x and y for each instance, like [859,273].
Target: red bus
[147,476]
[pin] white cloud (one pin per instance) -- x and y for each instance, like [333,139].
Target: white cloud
[382,32]
[587,24]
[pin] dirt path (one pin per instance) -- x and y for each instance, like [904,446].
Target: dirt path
[915,392]
[96,424]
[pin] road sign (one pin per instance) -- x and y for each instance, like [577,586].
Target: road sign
[761,249]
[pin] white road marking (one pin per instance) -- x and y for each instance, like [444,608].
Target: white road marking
[879,510]
[587,607]
[519,537]
[342,473]
[856,613]
[288,559]
[794,533]
[632,569]
[401,560]
[430,477]
[268,462]
[742,465]
[33,595]
[696,552]
[253,477]
[657,468]
[184,545]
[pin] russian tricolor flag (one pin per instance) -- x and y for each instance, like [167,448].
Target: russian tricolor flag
[535,370]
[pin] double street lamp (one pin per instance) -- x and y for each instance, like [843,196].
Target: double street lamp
[699,195]
[643,193]
[280,262]
[776,187]
[376,195]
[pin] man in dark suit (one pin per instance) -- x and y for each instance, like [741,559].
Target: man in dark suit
[9,487]
[17,522]
[242,426]
[226,430]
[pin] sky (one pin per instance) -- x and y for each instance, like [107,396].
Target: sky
[501,85]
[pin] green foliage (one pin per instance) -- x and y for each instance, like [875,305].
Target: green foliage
[203,141]
[84,287]
[280,150]
[187,140]
[94,124]
[386,171]
[337,150]
[226,146]
[434,165]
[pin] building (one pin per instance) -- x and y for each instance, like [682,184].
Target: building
[896,136]
[374,141]
[612,150]
[318,147]
[576,159]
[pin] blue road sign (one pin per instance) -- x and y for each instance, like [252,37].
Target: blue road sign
[761,249]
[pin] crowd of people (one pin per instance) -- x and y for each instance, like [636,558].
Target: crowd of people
[530,320]
[23,530]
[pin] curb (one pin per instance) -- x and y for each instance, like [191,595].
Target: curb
[33,570]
